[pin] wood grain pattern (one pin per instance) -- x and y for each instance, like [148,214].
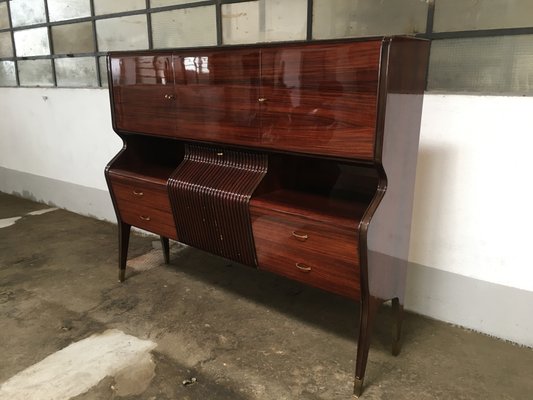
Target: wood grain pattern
[290,245]
[217,94]
[144,205]
[320,98]
[143,94]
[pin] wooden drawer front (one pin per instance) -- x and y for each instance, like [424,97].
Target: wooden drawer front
[307,251]
[145,207]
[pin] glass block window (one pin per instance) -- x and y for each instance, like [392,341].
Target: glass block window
[479,46]
[264,21]
[185,27]
[348,18]
[122,33]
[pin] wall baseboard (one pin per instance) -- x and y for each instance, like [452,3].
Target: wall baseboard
[485,307]
[80,199]
[493,309]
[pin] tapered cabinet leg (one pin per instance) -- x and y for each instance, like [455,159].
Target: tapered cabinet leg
[165,245]
[369,309]
[397,315]
[123,243]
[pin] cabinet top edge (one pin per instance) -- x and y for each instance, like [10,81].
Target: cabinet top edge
[259,46]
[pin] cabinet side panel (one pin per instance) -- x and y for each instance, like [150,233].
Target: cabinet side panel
[389,229]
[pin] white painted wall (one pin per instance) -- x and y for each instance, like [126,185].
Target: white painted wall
[473,214]
[64,134]
[473,201]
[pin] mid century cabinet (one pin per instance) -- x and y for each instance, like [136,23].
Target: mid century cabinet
[296,158]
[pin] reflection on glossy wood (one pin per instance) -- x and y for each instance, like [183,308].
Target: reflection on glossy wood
[217,95]
[320,98]
[143,94]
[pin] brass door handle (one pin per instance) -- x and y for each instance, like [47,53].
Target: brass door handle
[303,267]
[144,217]
[170,97]
[300,236]
[137,193]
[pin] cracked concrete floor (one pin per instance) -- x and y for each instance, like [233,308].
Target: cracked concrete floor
[241,333]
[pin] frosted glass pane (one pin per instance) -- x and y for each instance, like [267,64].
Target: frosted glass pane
[73,38]
[77,72]
[346,18]
[491,65]
[163,3]
[6,47]
[4,18]
[27,12]
[185,27]
[124,33]
[103,70]
[60,10]
[264,21]
[7,73]
[114,6]
[32,42]
[462,15]
[35,73]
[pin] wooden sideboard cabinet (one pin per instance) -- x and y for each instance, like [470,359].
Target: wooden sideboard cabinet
[296,158]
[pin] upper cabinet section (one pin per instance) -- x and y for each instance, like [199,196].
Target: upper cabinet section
[217,93]
[321,98]
[143,93]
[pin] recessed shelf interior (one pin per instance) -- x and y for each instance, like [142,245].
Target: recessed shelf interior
[330,191]
[148,158]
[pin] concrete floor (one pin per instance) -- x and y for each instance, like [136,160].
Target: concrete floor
[241,333]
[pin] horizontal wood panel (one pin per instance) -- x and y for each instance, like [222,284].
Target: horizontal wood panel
[285,242]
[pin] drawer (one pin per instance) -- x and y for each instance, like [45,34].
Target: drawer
[145,206]
[141,193]
[310,252]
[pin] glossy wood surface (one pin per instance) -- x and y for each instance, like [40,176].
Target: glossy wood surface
[144,97]
[320,98]
[217,94]
[314,253]
[144,205]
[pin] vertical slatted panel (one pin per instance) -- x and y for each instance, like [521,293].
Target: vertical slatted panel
[210,194]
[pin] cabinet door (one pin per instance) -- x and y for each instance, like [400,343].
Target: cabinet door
[217,95]
[143,94]
[320,98]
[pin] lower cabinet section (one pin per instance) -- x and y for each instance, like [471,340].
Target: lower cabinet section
[308,251]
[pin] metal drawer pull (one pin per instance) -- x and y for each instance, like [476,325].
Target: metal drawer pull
[144,217]
[261,99]
[303,267]
[170,97]
[300,236]
[137,193]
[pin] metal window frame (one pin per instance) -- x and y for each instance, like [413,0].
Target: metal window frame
[149,10]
